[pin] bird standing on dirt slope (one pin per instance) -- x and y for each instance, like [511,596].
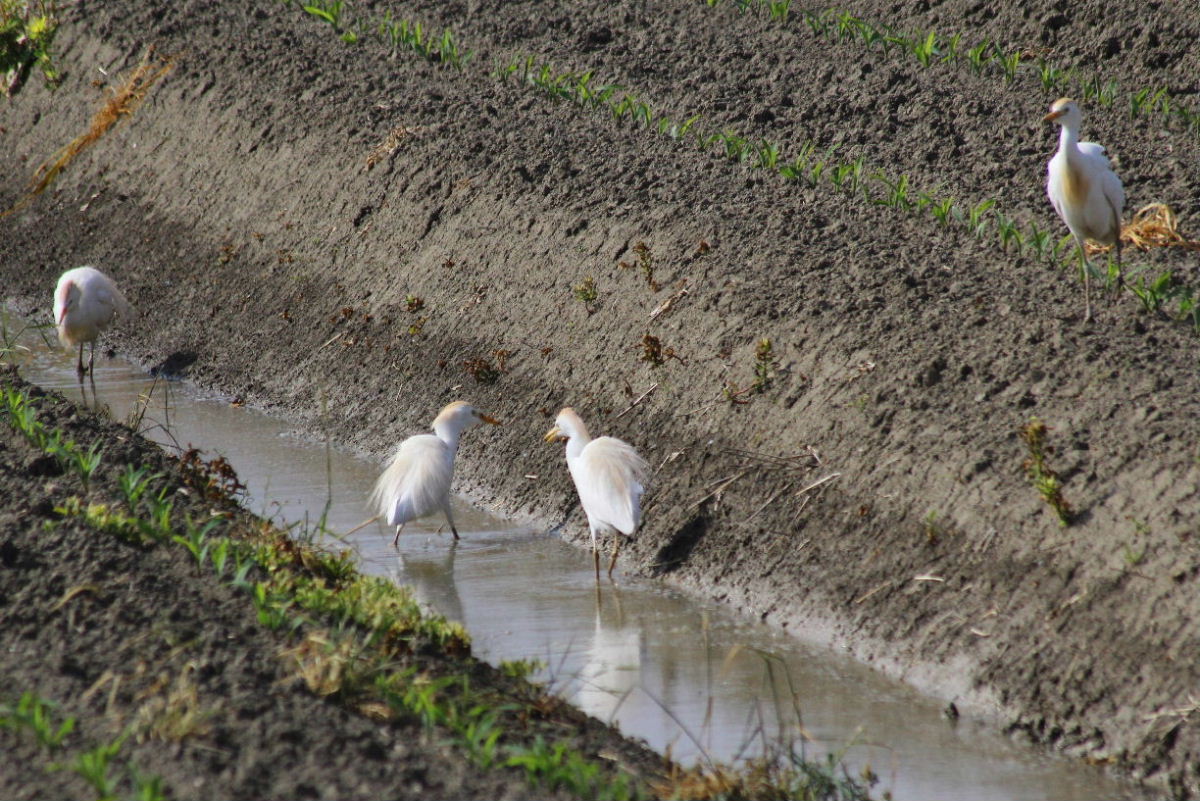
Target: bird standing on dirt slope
[417,482]
[1084,190]
[610,478]
[85,302]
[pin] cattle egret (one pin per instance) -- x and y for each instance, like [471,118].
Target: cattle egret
[85,302]
[610,478]
[1084,190]
[417,481]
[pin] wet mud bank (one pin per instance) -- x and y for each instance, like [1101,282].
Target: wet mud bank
[353,239]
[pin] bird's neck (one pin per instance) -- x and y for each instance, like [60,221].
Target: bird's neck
[448,434]
[1068,139]
[577,443]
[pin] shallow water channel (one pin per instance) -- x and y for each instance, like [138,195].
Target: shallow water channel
[677,672]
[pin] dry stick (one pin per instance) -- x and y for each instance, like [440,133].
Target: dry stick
[666,305]
[724,483]
[819,482]
[770,501]
[881,587]
[362,525]
[640,398]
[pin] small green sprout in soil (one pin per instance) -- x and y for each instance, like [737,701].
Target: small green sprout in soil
[1044,480]
[585,293]
[521,668]
[766,364]
[933,529]
[27,29]
[36,714]
[414,303]
[645,263]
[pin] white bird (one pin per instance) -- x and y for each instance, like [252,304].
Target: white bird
[85,302]
[417,481]
[610,478]
[1083,189]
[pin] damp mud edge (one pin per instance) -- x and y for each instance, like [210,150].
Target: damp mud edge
[808,272]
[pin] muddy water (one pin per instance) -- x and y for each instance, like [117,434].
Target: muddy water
[683,675]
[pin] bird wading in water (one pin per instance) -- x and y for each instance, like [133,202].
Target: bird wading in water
[610,478]
[85,303]
[1084,190]
[416,482]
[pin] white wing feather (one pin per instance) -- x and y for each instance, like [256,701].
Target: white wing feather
[610,477]
[416,482]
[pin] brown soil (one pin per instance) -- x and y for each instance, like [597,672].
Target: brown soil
[237,212]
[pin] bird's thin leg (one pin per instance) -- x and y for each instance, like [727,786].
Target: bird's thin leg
[595,553]
[1087,283]
[79,361]
[396,539]
[445,510]
[92,359]
[450,520]
[616,549]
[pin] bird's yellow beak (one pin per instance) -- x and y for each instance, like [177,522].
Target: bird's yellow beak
[554,435]
[1053,115]
[487,418]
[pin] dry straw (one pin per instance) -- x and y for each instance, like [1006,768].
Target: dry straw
[120,102]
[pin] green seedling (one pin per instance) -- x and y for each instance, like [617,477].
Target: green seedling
[779,10]
[766,365]
[1038,241]
[766,155]
[1010,233]
[95,768]
[1009,63]
[644,263]
[35,714]
[413,303]
[940,210]
[1044,480]
[977,56]
[925,49]
[27,29]
[85,462]
[1051,76]
[521,669]
[134,482]
[196,541]
[1153,294]
[950,54]
[586,293]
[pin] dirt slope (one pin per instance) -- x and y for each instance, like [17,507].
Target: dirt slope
[873,494]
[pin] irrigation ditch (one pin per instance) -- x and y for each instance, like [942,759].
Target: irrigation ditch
[802,259]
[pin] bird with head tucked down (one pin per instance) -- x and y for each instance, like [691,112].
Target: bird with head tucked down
[85,303]
[416,482]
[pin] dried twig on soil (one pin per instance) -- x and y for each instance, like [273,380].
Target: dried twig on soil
[388,146]
[639,399]
[667,304]
[121,102]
